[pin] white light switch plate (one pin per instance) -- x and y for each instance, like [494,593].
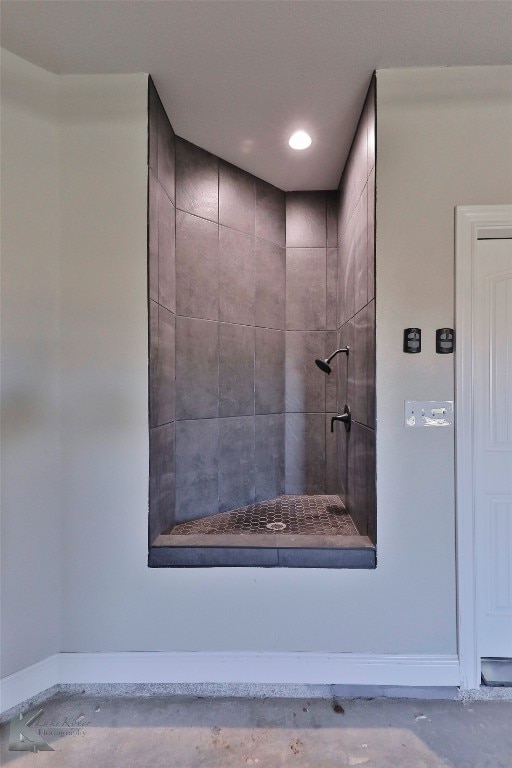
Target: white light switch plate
[428,413]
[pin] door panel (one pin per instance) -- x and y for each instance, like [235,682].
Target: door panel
[492,444]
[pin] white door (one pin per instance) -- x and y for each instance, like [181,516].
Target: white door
[492,443]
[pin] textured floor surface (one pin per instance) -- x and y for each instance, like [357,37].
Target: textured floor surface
[307,515]
[123,732]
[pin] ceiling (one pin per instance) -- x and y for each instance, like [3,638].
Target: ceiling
[237,77]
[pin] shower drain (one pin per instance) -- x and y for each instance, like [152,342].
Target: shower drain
[276,526]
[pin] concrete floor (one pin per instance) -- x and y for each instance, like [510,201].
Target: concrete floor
[179,732]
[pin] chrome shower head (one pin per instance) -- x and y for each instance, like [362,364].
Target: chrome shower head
[324,364]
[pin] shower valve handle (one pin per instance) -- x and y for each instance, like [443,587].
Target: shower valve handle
[345,417]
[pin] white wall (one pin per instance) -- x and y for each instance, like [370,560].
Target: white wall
[30,495]
[444,139]
[430,124]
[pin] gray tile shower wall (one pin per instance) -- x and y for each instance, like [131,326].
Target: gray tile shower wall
[162,315]
[197,181]
[236,369]
[356,322]
[197,267]
[311,314]
[197,468]
[270,282]
[247,285]
[236,462]
[305,453]
[228,268]
[269,455]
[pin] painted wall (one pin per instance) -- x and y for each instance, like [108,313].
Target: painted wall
[429,125]
[443,139]
[30,424]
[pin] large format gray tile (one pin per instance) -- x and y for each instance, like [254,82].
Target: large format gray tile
[305,453]
[332,218]
[212,557]
[153,195]
[236,198]
[371,235]
[197,369]
[332,484]
[369,323]
[236,370]
[197,447]
[342,443]
[306,224]
[166,252]
[236,277]
[354,176]
[343,203]
[269,371]
[331,379]
[167,475]
[361,252]
[270,284]
[301,557]
[236,462]
[154,508]
[345,339]
[197,266]
[153,107]
[346,274]
[153,363]
[331,289]
[358,476]
[358,165]
[166,366]
[166,160]
[361,380]
[357,368]
[162,484]
[371,479]
[370,121]
[305,383]
[270,213]
[305,289]
[269,456]
[197,181]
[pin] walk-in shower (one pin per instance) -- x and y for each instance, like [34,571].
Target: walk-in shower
[248,287]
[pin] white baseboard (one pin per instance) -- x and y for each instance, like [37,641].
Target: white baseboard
[28,682]
[224,668]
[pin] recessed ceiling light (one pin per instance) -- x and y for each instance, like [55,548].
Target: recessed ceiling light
[300,140]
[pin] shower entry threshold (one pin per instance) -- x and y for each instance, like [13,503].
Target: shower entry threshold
[288,531]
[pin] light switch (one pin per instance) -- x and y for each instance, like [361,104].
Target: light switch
[428,413]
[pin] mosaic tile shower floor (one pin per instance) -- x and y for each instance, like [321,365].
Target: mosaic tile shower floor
[299,515]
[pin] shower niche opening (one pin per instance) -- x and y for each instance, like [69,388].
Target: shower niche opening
[259,456]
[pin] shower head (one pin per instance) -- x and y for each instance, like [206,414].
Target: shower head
[324,364]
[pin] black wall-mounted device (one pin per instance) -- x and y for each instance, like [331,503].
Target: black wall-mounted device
[445,341]
[412,340]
